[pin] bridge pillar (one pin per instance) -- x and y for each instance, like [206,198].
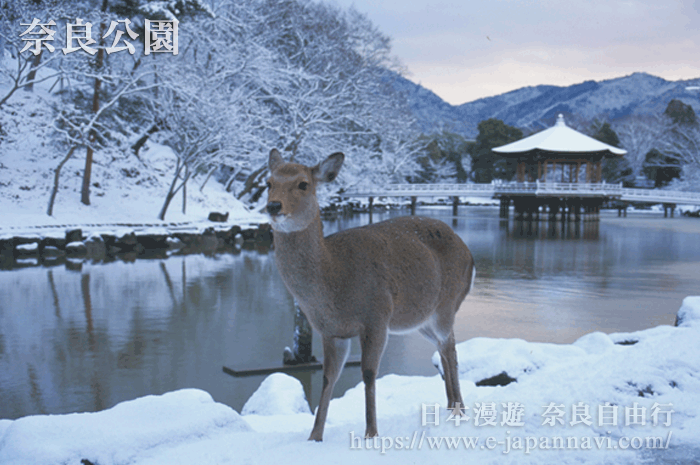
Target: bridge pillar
[577,209]
[553,209]
[371,202]
[505,206]
[413,205]
[667,207]
[455,205]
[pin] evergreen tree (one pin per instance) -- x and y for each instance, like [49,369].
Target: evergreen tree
[618,168]
[486,164]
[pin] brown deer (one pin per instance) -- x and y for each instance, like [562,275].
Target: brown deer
[391,277]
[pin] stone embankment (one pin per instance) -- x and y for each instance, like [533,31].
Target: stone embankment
[57,245]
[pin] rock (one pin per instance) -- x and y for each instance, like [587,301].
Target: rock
[74,235]
[154,241]
[96,247]
[501,379]
[218,217]
[24,250]
[689,313]
[278,394]
[76,249]
[174,243]
[52,251]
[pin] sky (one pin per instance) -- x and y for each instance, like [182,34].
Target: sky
[466,50]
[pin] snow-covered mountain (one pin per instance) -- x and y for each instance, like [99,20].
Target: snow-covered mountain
[537,107]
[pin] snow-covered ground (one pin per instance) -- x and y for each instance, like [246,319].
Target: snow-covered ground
[618,398]
[124,188]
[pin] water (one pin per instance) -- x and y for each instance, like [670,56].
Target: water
[86,338]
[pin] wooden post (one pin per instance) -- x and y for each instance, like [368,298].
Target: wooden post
[413,204]
[371,201]
[301,348]
[539,170]
[455,205]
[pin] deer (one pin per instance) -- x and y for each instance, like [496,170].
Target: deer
[404,274]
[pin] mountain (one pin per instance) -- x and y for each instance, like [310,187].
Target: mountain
[537,107]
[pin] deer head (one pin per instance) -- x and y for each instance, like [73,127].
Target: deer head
[291,200]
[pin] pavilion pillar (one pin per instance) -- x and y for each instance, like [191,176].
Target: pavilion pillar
[539,170]
[578,170]
[546,162]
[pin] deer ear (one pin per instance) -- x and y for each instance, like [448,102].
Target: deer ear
[274,160]
[328,169]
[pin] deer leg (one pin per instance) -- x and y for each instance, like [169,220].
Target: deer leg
[448,356]
[335,352]
[373,342]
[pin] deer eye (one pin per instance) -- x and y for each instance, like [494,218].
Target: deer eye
[303,185]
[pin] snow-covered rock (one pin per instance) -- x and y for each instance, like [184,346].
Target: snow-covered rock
[76,248]
[689,313]
[278,394]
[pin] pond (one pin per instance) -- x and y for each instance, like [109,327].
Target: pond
[86,337]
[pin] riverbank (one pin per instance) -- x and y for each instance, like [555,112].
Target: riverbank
[620,398]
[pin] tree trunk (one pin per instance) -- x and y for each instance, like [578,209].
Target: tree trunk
[229,182]
[57,174]
[252,181]
[168,198]
[142,140]
[211,171]
[184,190]
[32,73]
[87,173]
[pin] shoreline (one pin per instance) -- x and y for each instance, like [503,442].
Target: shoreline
[72,244]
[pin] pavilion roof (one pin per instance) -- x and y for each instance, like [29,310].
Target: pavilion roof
[559,138]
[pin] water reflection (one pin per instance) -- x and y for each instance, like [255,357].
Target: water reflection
[84,336]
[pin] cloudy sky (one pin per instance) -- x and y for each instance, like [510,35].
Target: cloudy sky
[465,50]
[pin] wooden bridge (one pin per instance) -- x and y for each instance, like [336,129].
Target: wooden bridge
[529,197]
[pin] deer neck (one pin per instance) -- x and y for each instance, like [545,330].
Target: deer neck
[301,257]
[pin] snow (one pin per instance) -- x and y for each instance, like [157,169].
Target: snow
[124,433]
[118,202]
[559,138]
[279,394]
[655,369]
[32,247]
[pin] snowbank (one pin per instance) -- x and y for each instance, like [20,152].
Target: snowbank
[617,398]
[121,434]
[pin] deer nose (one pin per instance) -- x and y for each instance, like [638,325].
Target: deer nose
[274,208]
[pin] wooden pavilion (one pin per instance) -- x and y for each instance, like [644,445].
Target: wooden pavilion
[558,155]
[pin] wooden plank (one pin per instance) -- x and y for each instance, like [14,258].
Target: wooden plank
[311,366]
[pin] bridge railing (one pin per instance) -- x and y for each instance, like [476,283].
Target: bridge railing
[530,188]
[676,196]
